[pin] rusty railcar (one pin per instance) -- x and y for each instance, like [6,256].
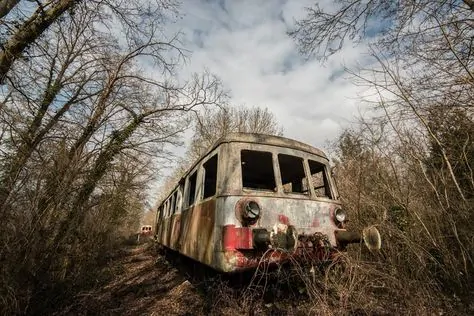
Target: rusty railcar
[255,199]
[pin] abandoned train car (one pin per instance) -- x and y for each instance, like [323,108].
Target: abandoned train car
[254,199]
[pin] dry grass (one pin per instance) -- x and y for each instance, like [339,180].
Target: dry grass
[357,283]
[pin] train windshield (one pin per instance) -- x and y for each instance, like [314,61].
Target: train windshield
[292,174]
[318,179]
[257,170]
[258,174]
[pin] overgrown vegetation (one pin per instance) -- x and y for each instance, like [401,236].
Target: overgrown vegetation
[85,123]
[408,164]
[84,127]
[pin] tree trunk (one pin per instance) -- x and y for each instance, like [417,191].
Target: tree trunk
[28,32]
[31,140]
[77,215]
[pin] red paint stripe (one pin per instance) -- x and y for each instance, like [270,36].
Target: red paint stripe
[236,237]
[229,237]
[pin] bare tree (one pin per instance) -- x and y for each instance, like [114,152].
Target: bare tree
[120,139]
[77,111]
[29,31]
[211,124]
[397,23]
[74,55]
[421,124]
[23,33]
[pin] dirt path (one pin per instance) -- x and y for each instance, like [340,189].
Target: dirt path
[144,284]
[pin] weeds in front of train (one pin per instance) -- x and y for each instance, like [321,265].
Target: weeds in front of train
[298,284]
[283,288]
[356,282]
[395,280]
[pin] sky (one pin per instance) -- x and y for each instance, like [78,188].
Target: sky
[245,43]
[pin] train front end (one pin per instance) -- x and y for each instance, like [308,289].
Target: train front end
[280,203]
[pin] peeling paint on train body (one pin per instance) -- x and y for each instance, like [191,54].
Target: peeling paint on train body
[197,232]
[307,216]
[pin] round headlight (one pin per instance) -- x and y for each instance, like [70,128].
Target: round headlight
[252,210]
[340,215]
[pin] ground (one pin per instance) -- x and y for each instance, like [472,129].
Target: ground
[142,282]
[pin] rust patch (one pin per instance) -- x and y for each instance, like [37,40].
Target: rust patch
[176,229]
[197,227]
[239,260]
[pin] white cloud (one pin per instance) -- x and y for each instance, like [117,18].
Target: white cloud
[246,44]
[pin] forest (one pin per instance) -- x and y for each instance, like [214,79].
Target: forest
[91,103]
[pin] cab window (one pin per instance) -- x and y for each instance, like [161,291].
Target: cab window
[257,170]
[319,179]
[292,174]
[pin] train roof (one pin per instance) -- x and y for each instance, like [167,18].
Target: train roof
[265,139]
[254,138]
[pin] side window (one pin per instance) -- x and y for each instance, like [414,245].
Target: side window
[180,196]
[319,179]
[178,201]
[191,189]
[292,173]
[172,203]
[257,170]
[210,177]
[160,212]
